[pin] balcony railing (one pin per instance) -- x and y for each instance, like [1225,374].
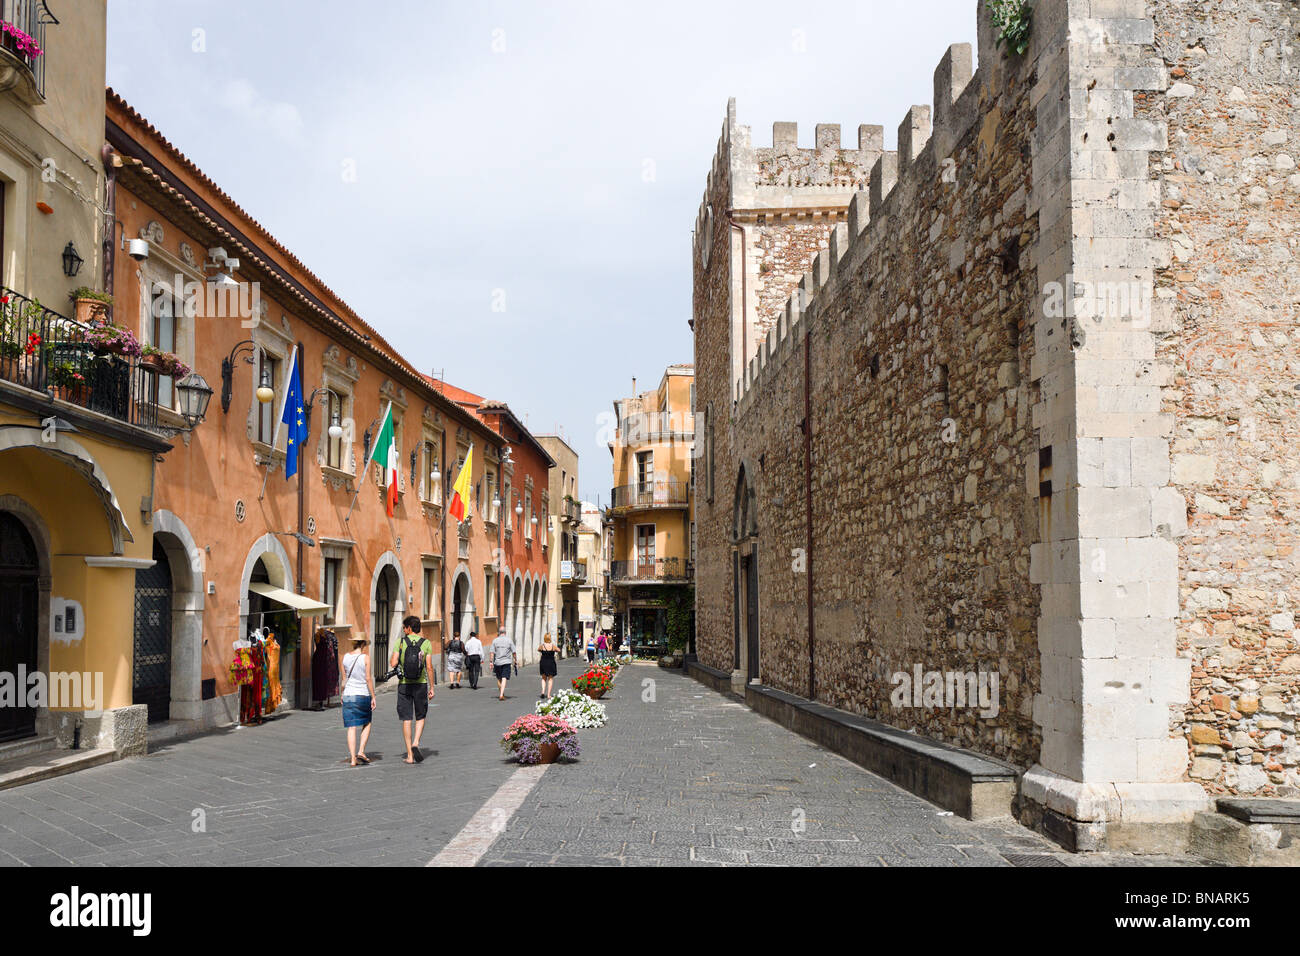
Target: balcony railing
[661,493]
[660,569]
[46,352]
[640,427]
[573,572]
[22,40]
[571,511]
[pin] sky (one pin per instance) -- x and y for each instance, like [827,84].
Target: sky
[506,190]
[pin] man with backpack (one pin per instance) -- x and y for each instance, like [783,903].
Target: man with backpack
[413,658]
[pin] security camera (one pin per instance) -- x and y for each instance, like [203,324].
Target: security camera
[138,249]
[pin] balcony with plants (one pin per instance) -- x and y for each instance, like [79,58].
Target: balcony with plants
[95,365]
[22,48]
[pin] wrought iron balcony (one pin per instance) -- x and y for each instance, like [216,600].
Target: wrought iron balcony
[638,428]
[661,493]
[573,572]
[660,570]
[22,48]
[48,352]
[571,511]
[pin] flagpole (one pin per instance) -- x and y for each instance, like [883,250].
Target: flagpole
[275,436]
[370,455]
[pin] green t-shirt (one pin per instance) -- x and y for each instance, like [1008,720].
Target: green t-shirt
[426,648]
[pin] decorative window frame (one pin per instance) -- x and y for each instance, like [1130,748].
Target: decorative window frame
[430,562]
[277,342]
[339,373]
[340,548]
[161,270]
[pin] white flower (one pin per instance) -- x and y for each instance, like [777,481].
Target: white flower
[578,709]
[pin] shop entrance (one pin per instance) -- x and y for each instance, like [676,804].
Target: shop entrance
[152,665]
[19,606]
[386,588]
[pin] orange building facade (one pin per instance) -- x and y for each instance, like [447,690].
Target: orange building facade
[239,546]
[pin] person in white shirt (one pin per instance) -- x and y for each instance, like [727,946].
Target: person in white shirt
[358,697]
[473,659]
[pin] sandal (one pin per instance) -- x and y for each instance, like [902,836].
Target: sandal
[363,758]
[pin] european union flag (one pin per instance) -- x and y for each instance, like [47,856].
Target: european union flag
[292,415]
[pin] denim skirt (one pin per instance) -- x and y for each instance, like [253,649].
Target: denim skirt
[356,711]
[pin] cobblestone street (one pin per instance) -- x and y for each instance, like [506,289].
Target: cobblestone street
[688,777]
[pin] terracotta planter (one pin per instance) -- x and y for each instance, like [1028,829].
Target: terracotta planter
[152,361]
[90,311]
[548,752]
[595,694]
[74,394]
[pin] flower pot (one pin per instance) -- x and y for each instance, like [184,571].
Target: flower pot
[90,311]
[548,752]
[152,361]
[73,394]
[595,694]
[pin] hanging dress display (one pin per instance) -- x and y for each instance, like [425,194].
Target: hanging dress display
[325,666]
[250,694]
[274,693]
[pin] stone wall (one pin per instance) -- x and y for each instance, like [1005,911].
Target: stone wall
[1230,208]
[1049,361]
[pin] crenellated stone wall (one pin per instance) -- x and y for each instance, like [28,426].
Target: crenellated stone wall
[1024,351]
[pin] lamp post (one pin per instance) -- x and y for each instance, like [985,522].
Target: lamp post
[265,391]
[195,393]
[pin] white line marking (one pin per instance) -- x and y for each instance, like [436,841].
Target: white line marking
[468,846]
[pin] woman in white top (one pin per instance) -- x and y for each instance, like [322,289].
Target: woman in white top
[358,697]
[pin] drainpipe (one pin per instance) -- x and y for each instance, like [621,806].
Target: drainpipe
[110,235]
[808,505]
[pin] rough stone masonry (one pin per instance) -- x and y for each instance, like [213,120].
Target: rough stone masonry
[1046,362]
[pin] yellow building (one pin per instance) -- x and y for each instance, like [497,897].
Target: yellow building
[76,458]
[652,512]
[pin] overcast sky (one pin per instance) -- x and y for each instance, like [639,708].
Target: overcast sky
[434,162]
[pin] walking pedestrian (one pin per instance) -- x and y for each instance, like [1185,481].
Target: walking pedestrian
[501,657]
[547,667]
[414,656]
[591,648]
[473,659]
[358,697]
[455,661]
[602,646]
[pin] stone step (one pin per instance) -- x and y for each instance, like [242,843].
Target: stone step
[1249,831]
[42,766]
[28,745]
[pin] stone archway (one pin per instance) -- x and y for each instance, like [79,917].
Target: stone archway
[34,525]
[462,597]
[387,583]
[745,585]
[185,561]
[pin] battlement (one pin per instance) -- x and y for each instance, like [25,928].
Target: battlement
[926,136]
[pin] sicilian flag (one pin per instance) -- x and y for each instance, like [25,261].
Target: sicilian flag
[291,414]
[385,452]
[461,489]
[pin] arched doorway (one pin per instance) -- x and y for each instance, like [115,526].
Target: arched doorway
[745,575]
[151,669]
[462,606]
[19,618]
[387,594]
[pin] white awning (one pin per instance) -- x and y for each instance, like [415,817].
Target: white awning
[296,601]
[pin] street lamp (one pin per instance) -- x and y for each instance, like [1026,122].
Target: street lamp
[336,426]
[71,260]
[246,350]
[195,393]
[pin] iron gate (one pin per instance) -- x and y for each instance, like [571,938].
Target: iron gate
[18,619]
[152,681]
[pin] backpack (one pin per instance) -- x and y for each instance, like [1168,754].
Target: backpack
[411,662]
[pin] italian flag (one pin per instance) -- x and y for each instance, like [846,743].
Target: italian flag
[385,452]
[461,490]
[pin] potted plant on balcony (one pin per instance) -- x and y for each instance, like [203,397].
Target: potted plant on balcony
[164,363]
[109,339]
[91,306]
[68,382]
[540,738]
[19,40]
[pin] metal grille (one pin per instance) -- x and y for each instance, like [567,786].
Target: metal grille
[152,683]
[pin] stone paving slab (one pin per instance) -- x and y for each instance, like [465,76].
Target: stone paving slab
[684,776]
[281,793]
